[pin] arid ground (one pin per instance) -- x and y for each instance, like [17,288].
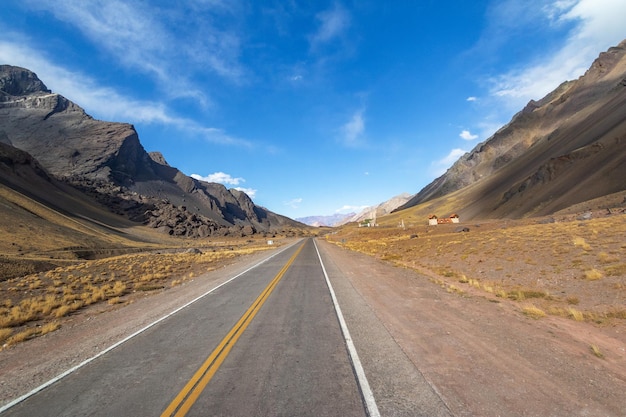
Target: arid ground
[491,312]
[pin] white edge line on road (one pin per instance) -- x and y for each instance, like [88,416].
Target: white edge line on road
[368,396]
[138,332]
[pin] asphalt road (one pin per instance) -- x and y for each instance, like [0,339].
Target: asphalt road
[267,343]
[291,359]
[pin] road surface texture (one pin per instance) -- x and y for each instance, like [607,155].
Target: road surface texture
[424,351]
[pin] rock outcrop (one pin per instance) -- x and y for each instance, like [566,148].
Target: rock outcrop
[106,161]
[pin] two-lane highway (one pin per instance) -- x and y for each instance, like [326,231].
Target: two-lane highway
[267,343]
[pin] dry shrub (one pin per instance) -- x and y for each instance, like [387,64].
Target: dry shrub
[615,270]
[579,241]
[575,314]
[115,300]
[618,313]
[501,293]
[63,311]
[49,327]
[606,258]
[5,334]
[593,274]
[22,336]
[18,315]
[596,351]
[533,311]
[573,300]
[119,288]
[49,303]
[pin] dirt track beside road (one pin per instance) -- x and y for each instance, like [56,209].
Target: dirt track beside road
[486,358]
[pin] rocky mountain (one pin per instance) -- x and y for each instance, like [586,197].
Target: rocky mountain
[565,149]
[371,212]
[331,220]
[106,162]
[380,210]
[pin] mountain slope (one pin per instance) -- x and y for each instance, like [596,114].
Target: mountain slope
[565,149]
[107,162]
[380,210]
[330,220]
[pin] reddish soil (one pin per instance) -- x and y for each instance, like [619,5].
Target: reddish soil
[483,356]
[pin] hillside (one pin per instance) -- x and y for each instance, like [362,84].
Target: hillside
[565,149]
[330,220]
[379,210]
[106,163]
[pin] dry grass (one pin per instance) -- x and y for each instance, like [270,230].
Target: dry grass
[596,351]
[593,274]
[556,264]
[575,314]
[32,305]
[533,311]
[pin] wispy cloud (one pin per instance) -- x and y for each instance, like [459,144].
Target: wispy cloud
[226,179]
[147,39]
[597,25]
[350,208]
[105,102]
[466,135]
[293,203]
[353,129]
[471,98]
[440,166]
[332,24]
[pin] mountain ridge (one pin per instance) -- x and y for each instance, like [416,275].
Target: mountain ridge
[559,151]
[106,161]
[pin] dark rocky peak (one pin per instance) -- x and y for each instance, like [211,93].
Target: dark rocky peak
[158,158]
[17,81]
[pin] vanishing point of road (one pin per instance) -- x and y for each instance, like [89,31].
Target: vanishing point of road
[274,340]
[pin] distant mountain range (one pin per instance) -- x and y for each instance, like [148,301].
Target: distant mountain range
[330,220]
[386,207]
[55,153]
[567,149]
[371,212]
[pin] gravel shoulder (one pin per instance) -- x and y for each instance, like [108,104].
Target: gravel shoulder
[485,358]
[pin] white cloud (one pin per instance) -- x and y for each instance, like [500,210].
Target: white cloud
[471,98]
[219,177]
[439,167]
[250,191]
[226,179]
[354,128]
[598,24]
[333,23]
[147,38]
[350,209]
[466,135]
[294,203]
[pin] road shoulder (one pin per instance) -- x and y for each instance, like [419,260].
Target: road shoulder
[477,356]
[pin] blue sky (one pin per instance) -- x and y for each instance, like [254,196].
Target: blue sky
[312,107]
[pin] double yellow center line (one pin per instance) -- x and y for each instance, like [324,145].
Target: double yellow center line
[185,399]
